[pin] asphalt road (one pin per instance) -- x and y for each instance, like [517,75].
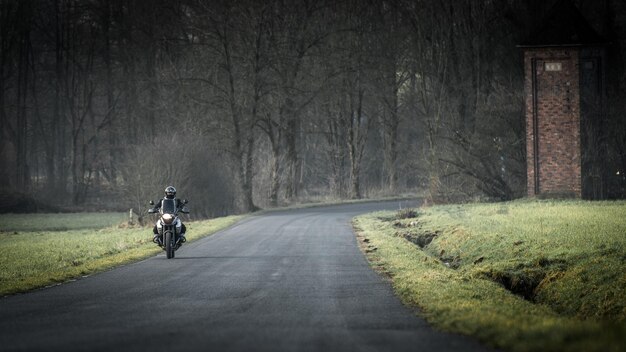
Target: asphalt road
[284,281]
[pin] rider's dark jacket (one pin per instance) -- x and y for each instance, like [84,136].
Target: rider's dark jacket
[179,204]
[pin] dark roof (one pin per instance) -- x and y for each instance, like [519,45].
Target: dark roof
[564,25]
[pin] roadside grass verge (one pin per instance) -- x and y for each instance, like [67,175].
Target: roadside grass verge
[521,276]
[38,258]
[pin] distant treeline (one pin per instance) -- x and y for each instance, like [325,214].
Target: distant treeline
[242,104]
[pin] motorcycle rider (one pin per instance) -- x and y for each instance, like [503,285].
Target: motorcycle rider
[170,193]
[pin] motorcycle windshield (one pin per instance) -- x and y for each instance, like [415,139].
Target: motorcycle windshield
[168,206]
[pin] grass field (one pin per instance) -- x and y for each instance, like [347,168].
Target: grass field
[35,255]
[59,222]
[522,276]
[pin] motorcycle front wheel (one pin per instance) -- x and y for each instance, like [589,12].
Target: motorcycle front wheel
[169,244]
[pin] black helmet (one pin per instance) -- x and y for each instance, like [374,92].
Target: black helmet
[170,192]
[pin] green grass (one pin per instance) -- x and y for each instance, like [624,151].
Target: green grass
[33,259]
[59,222]
[522,276]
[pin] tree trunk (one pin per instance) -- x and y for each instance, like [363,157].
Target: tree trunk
[391,145]
[291,138]
[336,153]
[22,177]
[275,176]
[110,107]
[243,146]
[273,132]
[249,164]
[357,137]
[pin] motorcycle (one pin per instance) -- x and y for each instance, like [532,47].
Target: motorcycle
[169,225]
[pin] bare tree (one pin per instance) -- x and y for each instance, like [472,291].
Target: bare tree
[291,99]
[392,72]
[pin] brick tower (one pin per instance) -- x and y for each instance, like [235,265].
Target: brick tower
[564,83]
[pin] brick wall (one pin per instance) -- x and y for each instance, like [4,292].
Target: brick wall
[553,104]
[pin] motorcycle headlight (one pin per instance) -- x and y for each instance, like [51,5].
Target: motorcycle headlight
[168,218]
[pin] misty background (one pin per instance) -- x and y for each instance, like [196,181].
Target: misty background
[246,104]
